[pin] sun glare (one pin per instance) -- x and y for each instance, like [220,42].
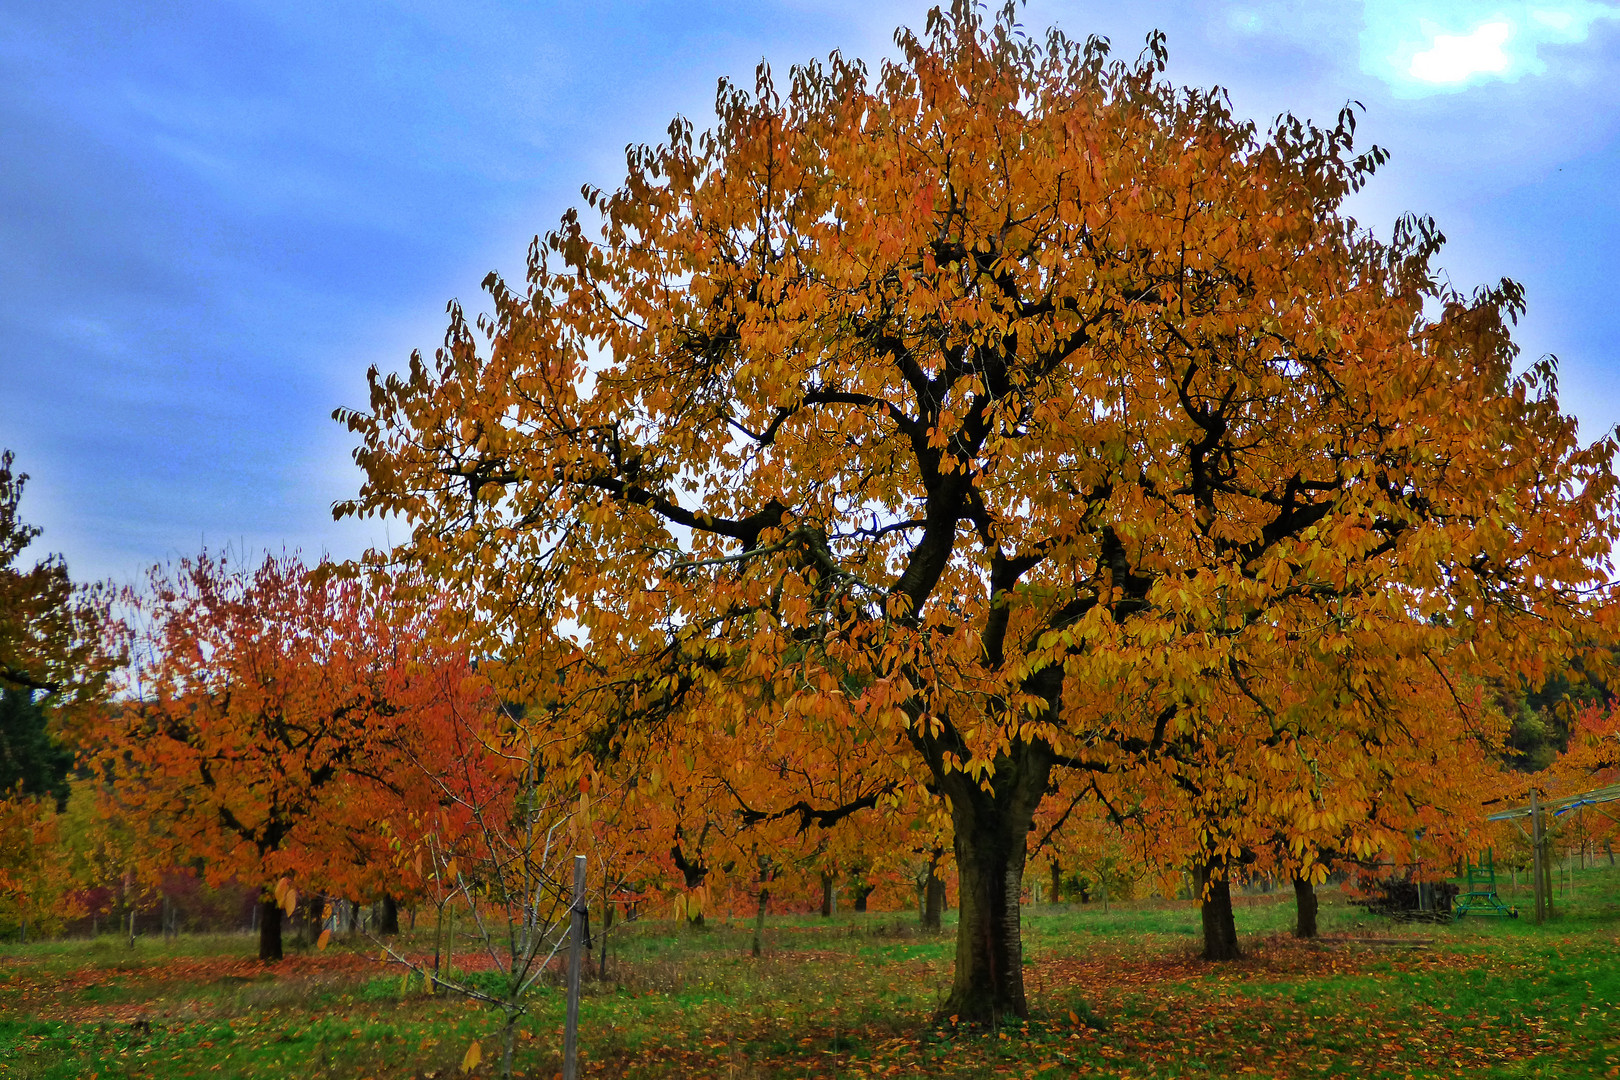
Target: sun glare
[1442,46]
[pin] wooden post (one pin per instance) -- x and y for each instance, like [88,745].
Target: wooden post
[576,947]
[1547,866]
[607,924]
[1534,852]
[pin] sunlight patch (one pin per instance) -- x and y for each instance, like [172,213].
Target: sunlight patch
[1441,46]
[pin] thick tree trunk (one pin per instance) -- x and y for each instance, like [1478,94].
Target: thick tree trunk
[862,891]
[991,833]
[1305,903]
[1057,882]
[269,929]
[827,894]
[1220,931]
[934,892]
[388,925]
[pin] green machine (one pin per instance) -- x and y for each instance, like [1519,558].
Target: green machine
[1480,895]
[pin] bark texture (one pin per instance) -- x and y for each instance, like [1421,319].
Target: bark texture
[1220,931]
[991,832]
[934,893]
[1305,908]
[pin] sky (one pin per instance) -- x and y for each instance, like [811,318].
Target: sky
[215,216]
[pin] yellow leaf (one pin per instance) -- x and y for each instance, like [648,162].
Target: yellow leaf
[473,1057]
[289,900]
[324,940]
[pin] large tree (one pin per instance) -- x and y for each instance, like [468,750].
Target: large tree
[993,402]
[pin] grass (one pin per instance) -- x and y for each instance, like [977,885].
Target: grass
[1120,993]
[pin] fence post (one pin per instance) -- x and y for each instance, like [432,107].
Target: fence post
[1538,867]
[576,949]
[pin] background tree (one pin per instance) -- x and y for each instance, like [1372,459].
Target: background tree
[265,734]
[58,646]
[997,400]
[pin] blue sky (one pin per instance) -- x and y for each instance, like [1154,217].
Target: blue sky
[217,215]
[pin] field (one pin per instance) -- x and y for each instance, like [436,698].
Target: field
[1114,994]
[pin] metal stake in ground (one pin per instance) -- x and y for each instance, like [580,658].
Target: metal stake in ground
[576,950]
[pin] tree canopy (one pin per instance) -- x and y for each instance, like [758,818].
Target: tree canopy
[1002,411]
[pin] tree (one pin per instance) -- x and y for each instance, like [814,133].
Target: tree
[31,761]
[58,646]
[996,401]
[270,727]
[54,636]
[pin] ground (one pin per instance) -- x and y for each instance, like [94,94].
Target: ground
[1115,994]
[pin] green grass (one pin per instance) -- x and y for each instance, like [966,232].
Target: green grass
[1120,993]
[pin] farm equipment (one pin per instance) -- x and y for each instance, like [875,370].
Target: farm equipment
[1480,897]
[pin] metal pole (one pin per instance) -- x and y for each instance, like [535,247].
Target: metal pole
[576,948]
[1538,866]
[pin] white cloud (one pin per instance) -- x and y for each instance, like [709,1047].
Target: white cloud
[1436,46]
[1455,57]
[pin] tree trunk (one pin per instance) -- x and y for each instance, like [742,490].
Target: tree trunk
[1057,883]
[759,918]
[826,894]
[269,929]
[991,833]
[862,891]
[934,892]
[388,925]
[1215,889]
[1305,903]
[508,1043]
[607,924]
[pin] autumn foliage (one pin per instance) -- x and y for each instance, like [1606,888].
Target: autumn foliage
[1002,453]
[1004,411]
[280,720]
